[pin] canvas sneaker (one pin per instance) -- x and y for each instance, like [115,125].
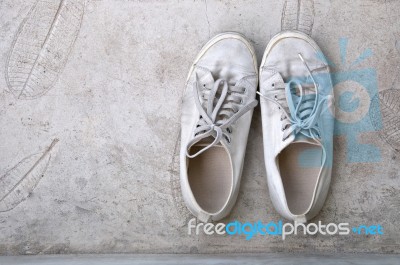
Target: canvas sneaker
[216,113]
[295,94]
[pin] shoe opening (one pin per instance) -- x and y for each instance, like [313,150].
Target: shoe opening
[300,165]
[210,177]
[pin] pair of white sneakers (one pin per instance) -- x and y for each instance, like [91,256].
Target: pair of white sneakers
[295,93]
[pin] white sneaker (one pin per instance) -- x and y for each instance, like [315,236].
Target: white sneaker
[296,91]
[216,113]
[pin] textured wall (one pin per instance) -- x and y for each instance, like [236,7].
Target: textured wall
[89,122]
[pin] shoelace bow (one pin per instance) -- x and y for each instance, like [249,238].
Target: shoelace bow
[304,109]
[216,120]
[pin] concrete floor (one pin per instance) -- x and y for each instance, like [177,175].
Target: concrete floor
[243,259]
[108,86]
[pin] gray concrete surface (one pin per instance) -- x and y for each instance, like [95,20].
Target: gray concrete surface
[107,85]
[243,259]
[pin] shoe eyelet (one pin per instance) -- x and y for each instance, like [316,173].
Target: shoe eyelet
[275,97]
[244,90]
[279,108]
[273,84]
[229,130]
[241,101]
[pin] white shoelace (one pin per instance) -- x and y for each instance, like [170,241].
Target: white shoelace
[216,120]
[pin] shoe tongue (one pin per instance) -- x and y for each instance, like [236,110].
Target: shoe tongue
[304,139]
[308,89]
[298,139]
[207,141]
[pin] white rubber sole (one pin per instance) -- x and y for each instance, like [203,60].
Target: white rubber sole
[219,37]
